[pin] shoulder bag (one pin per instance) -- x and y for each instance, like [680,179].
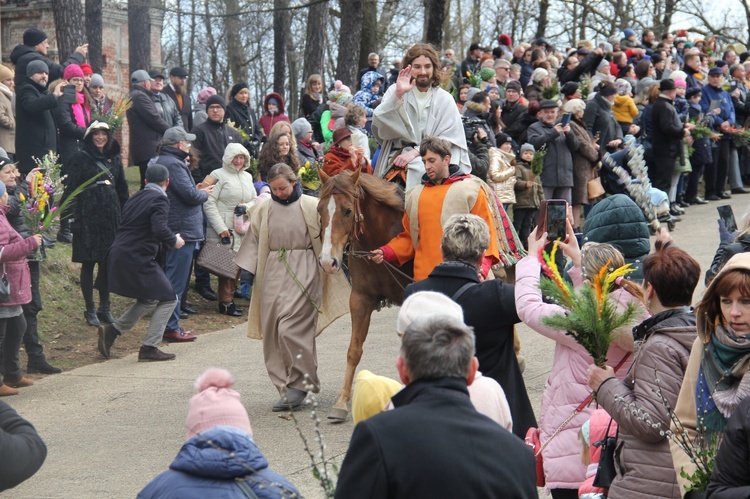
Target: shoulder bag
[218,259]
[534,441]
[606,472]
[595,187]
[4,284]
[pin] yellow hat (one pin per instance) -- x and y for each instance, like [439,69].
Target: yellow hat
[371,394]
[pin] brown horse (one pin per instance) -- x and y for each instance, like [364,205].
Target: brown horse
[363,212]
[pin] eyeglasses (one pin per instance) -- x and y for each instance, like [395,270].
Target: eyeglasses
[76,80]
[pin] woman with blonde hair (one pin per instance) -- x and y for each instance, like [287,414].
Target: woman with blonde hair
[313,95]
[567,384]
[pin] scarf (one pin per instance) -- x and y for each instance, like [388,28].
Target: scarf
[294,196]
[81,112]
[318,96]
[723,379]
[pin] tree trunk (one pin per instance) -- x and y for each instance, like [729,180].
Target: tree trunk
[316,39]
[448,34]
[368,39]
[213,51]
[476,21]
[94,34]
[541,26]
[349,33]
[235,50]
[435,18]
[191,50]
[292,107]
[68,26]
[180,35]
[384,23]
[139,34]
[280,14]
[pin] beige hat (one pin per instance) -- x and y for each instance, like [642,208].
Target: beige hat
[5,72]
[426,303]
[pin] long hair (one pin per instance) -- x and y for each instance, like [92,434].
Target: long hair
[427,50]
[270,155]
[595,256]
[308,87]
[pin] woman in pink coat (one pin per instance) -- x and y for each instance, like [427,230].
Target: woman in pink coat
[14,250]
[567,385]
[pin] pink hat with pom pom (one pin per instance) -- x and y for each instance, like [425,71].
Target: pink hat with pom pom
[204,94]
[340,87]
[216,404]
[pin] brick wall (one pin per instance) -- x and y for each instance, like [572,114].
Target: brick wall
[16,18]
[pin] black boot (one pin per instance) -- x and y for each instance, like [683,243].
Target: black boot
[105,315]
[230,309]
[107,336]
[91,318]
[39,365]
[64,235]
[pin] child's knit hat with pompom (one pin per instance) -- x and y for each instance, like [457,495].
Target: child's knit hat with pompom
[216,404]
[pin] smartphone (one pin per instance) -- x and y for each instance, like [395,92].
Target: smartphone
[69,94]
[565,119]
[557,215]
[355,140]
[727,215]
[715,104]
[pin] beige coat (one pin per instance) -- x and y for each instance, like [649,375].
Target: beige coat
[502,175]
[7,120]
[336,289]
[232,188]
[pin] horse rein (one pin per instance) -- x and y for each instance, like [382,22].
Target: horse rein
[359,229]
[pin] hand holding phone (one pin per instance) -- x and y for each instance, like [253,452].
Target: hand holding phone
[565,119]
[727,216]
[557,211]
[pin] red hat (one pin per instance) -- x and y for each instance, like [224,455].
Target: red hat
[87,71]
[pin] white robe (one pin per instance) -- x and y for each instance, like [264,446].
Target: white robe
[397,124]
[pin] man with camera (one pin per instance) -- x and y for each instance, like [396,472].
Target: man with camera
[479,147]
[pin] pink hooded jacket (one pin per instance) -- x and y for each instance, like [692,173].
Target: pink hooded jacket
[566,385]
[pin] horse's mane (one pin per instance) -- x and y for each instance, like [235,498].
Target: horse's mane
[384,192]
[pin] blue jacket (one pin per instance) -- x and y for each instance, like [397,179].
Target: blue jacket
[210,464]
[365,97]
[727,108]
[185,200]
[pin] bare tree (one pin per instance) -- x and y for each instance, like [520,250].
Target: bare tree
[368,39]
[235,49]
[280,31]
[94,34]
[315,40]
[139,34]
[349,33]
[541,26]
[68,26]
[434,21]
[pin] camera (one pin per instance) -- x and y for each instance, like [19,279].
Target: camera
[226,240]
[240,210]
[470,127]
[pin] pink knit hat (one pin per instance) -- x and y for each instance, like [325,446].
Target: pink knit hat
[679,82]
[204,94]
[216,404]
[339,86]
[72,71]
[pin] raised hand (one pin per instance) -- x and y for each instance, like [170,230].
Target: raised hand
[404,82]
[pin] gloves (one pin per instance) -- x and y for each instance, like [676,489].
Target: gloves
[240,209]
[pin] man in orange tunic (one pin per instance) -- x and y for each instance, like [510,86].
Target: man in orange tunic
[444,192]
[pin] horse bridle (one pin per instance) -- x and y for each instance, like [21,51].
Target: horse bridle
[359,217]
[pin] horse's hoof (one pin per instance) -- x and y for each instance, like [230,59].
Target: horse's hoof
[337,415]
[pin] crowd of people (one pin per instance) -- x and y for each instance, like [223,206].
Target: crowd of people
[477,147]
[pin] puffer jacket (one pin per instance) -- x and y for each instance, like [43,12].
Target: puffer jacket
[13,259]
[642,457]
[232,188]
[185,200]
[566,385]
[501,175]
[601,425]
[211,464]
[617,220]
[7,120]
[364,97]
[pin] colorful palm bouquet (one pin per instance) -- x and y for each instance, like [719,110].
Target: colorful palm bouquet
[42,206]
[309,177]
[115,115]
[244,136]
[590,317]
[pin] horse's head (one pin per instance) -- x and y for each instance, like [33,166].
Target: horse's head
[338,207]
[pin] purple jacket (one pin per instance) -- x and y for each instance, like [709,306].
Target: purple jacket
[566,385]
[15,250]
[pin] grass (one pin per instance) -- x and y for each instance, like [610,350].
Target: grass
[69,342]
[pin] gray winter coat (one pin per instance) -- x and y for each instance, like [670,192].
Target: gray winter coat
[167,108]
[642,457]
[558,164]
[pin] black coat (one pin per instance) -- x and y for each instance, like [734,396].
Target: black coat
[146,125]
[22,55]
[187,107]
[211,139]
[36,133]
[489,308]
[511,118]
[667,129]
[22,450]
[97,211]
[70,134]
[587,65]
[730,479]
[14,201]
[435,444]
[131,268]
[599,118]
[724,253]
[244,117]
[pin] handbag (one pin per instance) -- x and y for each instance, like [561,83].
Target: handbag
[4,284]
[218,259]
[533,439]
[606,472]
[595,186]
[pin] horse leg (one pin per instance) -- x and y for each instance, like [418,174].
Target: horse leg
[361,308]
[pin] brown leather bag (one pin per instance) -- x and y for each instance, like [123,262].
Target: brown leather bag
[595,186]
[218,259]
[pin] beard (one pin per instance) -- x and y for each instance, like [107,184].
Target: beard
[179,89]
[424,84]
